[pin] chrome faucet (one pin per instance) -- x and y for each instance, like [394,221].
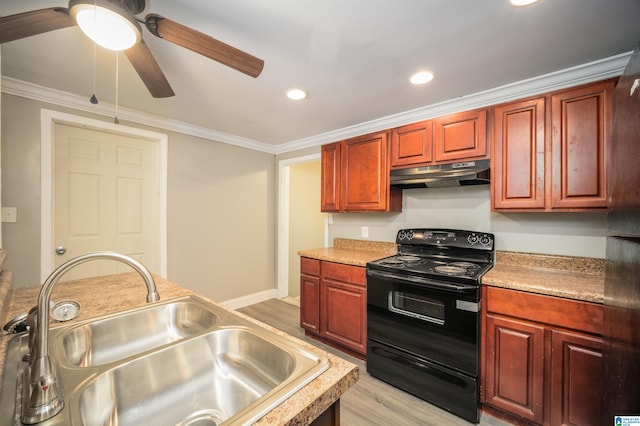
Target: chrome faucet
[43,396]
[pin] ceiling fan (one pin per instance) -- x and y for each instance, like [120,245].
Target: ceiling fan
[40,21]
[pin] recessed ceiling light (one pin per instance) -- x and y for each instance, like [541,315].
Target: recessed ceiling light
[296,94]
[421,77]
[522,2]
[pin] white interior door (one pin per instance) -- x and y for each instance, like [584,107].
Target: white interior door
[105,197]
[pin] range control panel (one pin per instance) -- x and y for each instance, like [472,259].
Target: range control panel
[446,237]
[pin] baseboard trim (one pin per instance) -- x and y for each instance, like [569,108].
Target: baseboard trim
[251,299]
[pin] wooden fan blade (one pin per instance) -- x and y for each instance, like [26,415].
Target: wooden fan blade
[203,44]
[149,71]
[15,27]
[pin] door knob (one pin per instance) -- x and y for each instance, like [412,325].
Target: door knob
[61,250]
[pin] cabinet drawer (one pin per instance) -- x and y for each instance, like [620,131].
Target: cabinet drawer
[346,273]
[310,266]
[566,313]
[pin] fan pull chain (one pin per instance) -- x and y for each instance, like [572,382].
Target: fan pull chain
[115,119]
[93,98]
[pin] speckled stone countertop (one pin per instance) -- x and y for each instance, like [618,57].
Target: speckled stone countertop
[352,252]
[577,278]
[103,295]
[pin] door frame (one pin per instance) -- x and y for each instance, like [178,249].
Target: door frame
[284,169]
[48,118]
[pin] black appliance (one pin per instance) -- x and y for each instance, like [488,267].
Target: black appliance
[423,316]
[621,331]
[442,175]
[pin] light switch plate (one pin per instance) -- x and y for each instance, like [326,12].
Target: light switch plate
[9,214]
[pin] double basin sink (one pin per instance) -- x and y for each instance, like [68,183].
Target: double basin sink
[180,362]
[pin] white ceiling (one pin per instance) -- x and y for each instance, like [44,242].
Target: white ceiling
[353,57]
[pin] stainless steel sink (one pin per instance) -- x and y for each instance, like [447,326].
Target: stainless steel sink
[207,380]
[179,362]
[119,336]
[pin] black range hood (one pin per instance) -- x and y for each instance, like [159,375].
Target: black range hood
[443,175]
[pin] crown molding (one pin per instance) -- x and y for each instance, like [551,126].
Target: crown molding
[24,89]
[612,66]
[602,69]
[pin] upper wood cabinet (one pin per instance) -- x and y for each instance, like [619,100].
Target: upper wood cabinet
[580,120]
[355,176]
[549,152]
[412,144]
[461,136]
[518,155]
[330,177]
[456,137]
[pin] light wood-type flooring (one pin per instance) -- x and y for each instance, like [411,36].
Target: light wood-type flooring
[370,401]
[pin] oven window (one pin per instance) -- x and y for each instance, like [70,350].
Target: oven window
[417,306]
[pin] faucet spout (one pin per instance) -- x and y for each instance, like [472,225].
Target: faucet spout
[45,397]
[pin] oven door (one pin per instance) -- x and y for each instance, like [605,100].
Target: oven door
[435,321]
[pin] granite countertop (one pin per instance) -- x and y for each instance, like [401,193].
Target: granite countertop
[351,252]
[570,277]
[104,295]
[576,278]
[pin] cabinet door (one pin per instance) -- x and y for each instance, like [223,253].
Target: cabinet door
[518,155]
[365,174]
[412,144]
[515,367]
[576,383]
[580,121]
[461,136]
[344,314]
[330,177]
[310,294]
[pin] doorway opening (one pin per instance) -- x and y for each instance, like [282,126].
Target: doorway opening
[301,225]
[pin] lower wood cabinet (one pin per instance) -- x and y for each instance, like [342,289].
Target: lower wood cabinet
[333,304]
[542,357]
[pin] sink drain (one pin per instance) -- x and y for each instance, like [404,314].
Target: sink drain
[202,418]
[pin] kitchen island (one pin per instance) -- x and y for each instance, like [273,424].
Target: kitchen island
[113,293]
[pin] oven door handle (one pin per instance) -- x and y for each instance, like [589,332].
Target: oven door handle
[425,282]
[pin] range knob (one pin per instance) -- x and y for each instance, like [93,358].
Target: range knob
[473,239]
[485,240]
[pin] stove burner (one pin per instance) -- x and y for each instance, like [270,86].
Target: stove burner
[450,270]
[392,262]
[408,258]
[402,260]
[465,265]
[457,269]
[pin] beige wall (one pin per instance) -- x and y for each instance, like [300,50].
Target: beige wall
[220,207]
[306,222]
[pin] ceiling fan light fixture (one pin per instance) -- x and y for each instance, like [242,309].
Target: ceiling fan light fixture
[109,28]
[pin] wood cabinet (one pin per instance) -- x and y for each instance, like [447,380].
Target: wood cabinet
[412,144]
[580,122]
[549,151]
[518,155]
[455,137]
[330,177]
[310,294]
[355,176]
[515,367]
[542,357]
[461,136]
[333,304]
